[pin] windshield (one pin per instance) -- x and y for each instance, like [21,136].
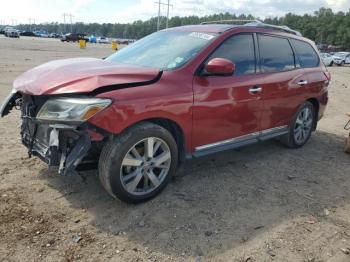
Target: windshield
[166,50]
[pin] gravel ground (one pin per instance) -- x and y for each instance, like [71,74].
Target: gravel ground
[259,203]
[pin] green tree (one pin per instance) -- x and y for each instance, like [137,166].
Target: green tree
[324,26]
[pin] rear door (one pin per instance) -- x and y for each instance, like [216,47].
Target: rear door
[315,71]
[228,108]
[283,82]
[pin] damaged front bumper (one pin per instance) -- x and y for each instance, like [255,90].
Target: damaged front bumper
[60,146]
[63,146]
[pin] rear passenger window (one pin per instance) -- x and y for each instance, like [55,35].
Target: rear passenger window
[240,50]
[306,54]
[276,54]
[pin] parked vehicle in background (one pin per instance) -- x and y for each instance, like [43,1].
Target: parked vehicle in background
[41,33]
[7,28]
[327,59]
[103,40]
[125,41]
[341,58]
[54,35]
[27,33]
[92,39]
[44,35]
[10,32]
[73,37]
[177,94]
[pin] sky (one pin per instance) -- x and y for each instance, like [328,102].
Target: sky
[13,12]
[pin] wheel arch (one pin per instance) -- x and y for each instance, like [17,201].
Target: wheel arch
[316,105]
[175,130]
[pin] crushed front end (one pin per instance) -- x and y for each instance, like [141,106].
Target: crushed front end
[55,129]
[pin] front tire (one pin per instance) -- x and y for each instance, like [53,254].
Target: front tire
[301,128]
[138,164]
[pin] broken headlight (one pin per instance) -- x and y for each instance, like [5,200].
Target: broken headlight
[72,109]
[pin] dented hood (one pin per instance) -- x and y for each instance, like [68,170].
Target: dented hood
[81,75]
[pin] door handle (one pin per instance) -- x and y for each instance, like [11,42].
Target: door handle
[302,82]
[255,89]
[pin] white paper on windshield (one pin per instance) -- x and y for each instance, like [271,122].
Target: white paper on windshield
[202,35]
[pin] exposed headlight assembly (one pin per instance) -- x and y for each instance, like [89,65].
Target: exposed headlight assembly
[72,109]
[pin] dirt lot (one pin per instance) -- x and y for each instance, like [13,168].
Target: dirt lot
[259,203]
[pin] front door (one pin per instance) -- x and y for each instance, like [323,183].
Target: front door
[227,109]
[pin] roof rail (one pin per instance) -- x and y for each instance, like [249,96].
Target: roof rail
[276,27]
[230,21]
[256,23]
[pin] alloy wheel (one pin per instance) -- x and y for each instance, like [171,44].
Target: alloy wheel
[303,125]
[145,166]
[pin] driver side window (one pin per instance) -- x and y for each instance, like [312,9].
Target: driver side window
[239,49]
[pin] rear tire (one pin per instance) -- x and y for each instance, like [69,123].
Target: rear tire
[301,128]
[137,165]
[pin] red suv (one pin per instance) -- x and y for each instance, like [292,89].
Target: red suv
[176,94]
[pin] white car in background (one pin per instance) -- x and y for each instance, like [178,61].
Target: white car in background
[327,59]
[341,58]
[11,32]
[103,40]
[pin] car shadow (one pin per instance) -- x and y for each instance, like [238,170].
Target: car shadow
[218,202]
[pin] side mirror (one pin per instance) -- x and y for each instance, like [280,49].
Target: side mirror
[220,66]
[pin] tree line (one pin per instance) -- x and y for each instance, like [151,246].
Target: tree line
[324,26]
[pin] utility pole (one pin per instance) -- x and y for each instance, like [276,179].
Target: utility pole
[64,22]
[158,22]
[71,23]
[70,19]
[167,18]
[31,22]
[167,15]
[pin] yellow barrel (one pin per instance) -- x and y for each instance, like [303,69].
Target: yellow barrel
[82,44]
[115,45]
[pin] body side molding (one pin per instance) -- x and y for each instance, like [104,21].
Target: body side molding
[240,141]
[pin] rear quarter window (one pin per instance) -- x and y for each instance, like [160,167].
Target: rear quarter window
[306,54]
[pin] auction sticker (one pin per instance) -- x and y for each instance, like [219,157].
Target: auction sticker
[202,35]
